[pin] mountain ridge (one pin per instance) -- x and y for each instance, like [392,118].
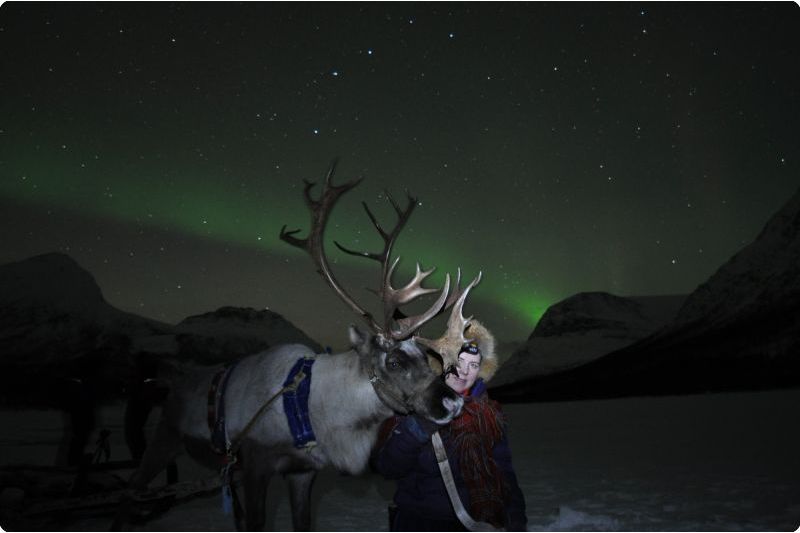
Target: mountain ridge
[56,326]
[738,330]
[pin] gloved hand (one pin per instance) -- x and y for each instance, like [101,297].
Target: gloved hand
[420,427]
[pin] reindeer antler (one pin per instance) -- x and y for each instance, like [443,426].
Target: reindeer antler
[448,344]
[392,298]
[314,244]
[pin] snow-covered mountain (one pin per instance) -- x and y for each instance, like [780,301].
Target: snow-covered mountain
[763,277]
[749,308]
[55,326]
[48,286]
[738,330]
[235,332]
[584,327]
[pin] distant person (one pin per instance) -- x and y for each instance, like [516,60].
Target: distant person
[145,392]
[477,448]
[80,398]
[142,398]
[81,404]
[102,452]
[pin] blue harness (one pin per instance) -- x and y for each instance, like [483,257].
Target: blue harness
[295,407]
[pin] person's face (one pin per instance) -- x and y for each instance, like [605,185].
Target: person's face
[467,368]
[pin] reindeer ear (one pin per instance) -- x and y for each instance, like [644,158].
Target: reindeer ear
[435,361]
[357,337]
[384,343]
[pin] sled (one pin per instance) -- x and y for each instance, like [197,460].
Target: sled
[51,498]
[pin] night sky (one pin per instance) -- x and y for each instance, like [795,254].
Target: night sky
[559,148]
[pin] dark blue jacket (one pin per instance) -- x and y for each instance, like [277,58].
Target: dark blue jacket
[421,498]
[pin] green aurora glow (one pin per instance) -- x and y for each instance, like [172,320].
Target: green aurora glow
[213,211]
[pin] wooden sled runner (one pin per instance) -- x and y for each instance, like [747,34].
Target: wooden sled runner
[52,498]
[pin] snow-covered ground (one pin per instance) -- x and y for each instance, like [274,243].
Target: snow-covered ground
[717,462]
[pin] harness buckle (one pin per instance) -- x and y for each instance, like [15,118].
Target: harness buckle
[230,459]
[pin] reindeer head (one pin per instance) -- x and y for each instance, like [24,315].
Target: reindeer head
[391,354]
[402,377]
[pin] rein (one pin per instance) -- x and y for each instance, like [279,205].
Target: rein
[230,501]
[233,448]
[388,397]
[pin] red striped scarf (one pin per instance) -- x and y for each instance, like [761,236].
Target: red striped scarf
[473,436]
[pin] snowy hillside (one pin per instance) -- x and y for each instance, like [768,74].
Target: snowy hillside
[750,308]
[738,330]
[763,274]
[231,332]
[584,327]
[55,326]
[50,285]
[52,280]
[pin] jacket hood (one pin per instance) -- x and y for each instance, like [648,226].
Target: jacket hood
[477,333]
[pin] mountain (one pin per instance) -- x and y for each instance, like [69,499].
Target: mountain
[760,280]
[738,330]
[235,332]
[56,325]
[51,285]
[56,329]
[584,327]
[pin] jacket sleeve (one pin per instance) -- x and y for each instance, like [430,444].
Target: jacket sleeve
[400,452]
[515,506]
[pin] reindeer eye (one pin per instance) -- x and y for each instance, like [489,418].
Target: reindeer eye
[393,364]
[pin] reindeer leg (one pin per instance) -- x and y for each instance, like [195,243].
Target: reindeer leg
[238,510]
[157,456]
[256,475]
[300,498]
[255,502]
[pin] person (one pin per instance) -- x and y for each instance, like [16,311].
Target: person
[477,447]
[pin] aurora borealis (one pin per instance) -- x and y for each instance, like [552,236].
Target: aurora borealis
[559,148]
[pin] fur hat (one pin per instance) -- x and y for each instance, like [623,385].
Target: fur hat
[477,333]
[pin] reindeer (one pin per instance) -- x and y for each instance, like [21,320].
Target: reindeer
[351,393]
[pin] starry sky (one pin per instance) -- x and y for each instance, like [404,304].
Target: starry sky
[558,148]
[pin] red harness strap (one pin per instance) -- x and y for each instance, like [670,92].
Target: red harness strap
[212,399]
[216,410]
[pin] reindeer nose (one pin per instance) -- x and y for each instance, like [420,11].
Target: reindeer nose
[453,406]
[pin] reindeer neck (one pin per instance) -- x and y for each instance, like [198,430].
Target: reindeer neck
[348,412]
[347,384]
